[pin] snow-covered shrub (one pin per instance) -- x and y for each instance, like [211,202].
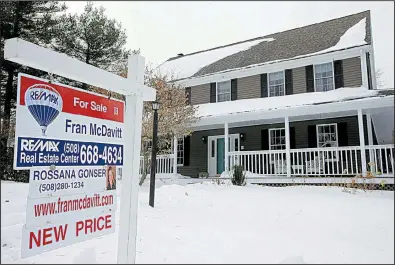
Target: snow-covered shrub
[238,176]
[203,175]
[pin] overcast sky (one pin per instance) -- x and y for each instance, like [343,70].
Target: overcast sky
[163,29]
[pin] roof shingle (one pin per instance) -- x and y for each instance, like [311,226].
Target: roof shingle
[288,44]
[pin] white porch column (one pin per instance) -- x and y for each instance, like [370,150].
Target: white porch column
[226,147]
[362,142]
[364,69]
[370,142]
[287,147]
[175,146]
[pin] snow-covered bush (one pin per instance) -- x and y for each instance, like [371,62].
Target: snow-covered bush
[203,175]
[238,176]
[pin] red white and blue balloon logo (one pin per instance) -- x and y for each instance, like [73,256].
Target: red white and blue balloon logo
[44,103]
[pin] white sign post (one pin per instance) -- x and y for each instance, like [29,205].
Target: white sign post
[31,152]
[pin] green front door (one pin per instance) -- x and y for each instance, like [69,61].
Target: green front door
[220,155]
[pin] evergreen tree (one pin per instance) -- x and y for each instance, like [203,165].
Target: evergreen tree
[32,21]
[93,38]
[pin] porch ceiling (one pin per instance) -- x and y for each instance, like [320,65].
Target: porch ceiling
[374,105]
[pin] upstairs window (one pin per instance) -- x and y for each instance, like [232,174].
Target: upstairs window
[276,84]
[223,91]
[323,77]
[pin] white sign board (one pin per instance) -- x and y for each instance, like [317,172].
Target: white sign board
[72,142]
[35,240]
[65,126]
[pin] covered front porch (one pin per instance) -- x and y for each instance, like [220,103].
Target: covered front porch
[287,142]
[330,153]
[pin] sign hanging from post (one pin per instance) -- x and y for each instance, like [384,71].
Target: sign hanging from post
[65,128]
[72,142]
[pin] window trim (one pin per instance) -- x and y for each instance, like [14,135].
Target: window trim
[268,83]
[333,75]
[326,124]
[230,90]
[274,129]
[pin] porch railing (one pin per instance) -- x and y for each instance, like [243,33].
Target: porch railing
[381,159]
[334,161]
[164,164]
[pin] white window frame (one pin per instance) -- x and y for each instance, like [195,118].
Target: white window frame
[230,90]
[268,82]
[333,74]
[178,151]
[270,142]
[327,124]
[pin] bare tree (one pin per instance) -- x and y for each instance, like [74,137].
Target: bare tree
[175,115]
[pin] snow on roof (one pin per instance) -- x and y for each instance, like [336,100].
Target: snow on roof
[353,37]
[319,38]
[188,65]
[270,103]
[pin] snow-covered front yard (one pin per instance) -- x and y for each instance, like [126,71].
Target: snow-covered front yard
[205,223]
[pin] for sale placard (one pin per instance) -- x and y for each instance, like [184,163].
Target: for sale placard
[58,125]
[73,143]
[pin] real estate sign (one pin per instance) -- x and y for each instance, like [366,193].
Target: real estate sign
[72,142]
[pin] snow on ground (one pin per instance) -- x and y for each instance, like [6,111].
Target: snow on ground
[205,223]
[295,100]
[188,65]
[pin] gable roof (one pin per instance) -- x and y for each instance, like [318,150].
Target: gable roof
[336,34]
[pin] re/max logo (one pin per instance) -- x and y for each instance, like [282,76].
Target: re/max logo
[47,96]
[39,145]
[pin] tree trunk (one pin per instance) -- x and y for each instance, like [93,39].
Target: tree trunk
[87,59]
[6,120]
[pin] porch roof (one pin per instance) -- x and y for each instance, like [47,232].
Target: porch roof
[336,103]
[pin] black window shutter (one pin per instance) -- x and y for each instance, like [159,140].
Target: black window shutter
[263,85]
[312,136]
[188,95]
[233,88]
[187,150]
[342,133]
[288,82]
[213,92]
[265,139]
[338,65]
[309,78]
[292,139]
[370,84]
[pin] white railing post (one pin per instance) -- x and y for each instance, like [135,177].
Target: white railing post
[175,146]
[287,147]
[370,143]
[362,142]
[226,147]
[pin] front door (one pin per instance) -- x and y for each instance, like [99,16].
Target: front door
[216,152]
[220,155]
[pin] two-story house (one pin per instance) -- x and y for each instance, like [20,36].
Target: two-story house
[294,103]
